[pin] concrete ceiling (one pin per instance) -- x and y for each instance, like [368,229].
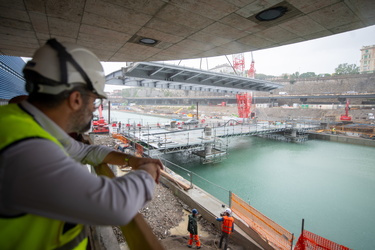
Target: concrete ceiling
[183,28]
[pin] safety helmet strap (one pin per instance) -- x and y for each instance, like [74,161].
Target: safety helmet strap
[64,58]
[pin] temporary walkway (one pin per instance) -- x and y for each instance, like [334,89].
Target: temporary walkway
[158,140]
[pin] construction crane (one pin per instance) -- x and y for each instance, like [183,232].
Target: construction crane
[239,62]
[178,110]
[244,104]
[99,124]
[251,72]
[346,117]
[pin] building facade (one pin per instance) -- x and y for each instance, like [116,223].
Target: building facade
[12,82]
[367,59]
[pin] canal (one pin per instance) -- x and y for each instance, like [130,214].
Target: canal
[328,184]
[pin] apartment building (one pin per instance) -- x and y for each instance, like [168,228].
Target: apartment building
[367,59]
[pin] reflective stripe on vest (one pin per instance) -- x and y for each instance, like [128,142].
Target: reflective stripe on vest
[30,231]
[227,226]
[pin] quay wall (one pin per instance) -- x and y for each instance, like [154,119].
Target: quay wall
[342,139]
[360,83]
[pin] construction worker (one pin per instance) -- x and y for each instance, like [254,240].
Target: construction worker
[193,229]
[47,195]
[333,130]
[227,226]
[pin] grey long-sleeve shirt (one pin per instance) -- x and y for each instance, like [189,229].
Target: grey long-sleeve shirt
[37,177]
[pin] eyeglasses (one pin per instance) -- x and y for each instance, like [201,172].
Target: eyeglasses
[97,103]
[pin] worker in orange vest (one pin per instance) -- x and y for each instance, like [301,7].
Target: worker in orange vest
[227,226]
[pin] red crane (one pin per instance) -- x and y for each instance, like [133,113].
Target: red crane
[239,62]
[244,104]
[346,117]
[251,72]
[99,124]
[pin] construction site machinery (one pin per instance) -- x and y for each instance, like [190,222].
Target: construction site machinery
[244,104]
[346,117]
[99,124]
[251,72]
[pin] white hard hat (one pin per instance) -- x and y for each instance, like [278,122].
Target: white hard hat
[58,67]
[228,211]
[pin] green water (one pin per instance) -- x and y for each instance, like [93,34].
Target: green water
[330,185]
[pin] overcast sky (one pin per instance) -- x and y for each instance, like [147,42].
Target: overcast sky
[321,55]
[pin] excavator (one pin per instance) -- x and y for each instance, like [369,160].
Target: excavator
[346,117]
[99,125]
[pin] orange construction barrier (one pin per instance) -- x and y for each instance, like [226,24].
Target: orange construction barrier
[311,241]
[121,138]
[277,236]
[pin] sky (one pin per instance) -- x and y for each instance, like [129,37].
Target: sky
[320,56]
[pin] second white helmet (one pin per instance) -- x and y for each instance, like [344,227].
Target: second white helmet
[228,211]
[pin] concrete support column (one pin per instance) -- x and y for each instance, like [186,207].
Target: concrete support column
[294,132]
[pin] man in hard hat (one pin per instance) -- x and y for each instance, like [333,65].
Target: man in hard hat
[46,193]
[227,226]
[193,229]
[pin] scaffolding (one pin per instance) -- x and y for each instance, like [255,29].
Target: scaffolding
[244,104]
[209,143]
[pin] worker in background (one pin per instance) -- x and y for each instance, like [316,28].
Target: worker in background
[333,130]
[227,226]
[47,194]
[193,229]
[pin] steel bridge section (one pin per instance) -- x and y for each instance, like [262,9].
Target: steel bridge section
[165,76]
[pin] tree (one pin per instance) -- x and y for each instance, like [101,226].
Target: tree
[345,69]
[307,75]
[293,77]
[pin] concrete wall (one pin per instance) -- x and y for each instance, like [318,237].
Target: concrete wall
[342,139]
[360,83]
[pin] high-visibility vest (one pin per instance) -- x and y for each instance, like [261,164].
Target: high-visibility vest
[28,231]
[227,225]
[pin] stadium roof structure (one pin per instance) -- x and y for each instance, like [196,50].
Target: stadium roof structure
[161,30]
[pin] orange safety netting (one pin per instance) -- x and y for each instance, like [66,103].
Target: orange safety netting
[311,241]
[120,137]
[276,235]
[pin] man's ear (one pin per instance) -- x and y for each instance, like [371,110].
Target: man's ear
[75,100]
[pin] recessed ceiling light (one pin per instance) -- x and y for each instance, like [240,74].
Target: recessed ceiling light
[148,41]
[271,14]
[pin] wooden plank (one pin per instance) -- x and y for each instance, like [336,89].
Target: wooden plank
[137,232]
[178,182]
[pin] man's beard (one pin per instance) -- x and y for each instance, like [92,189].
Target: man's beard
[86,128]
[79,123]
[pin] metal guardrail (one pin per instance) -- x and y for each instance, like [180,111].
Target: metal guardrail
[194,179]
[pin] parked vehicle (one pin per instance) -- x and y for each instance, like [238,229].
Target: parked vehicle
[191,122]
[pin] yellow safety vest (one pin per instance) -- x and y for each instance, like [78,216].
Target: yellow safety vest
[28,231]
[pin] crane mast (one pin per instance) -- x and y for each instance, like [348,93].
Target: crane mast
[251,72]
